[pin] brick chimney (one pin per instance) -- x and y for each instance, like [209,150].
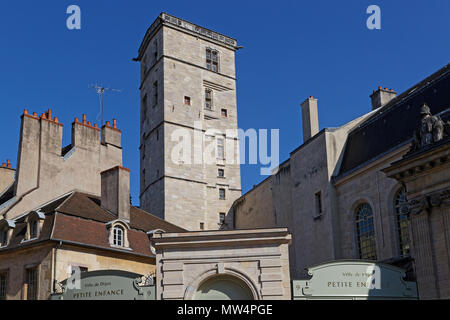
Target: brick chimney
[310,119]
[381,97]
[115,195]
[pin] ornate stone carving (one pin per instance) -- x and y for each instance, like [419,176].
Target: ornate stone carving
[432,129]
[426,202]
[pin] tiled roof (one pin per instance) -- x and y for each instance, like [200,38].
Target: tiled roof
[79,219]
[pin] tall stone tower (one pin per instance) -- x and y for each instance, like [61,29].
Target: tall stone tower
[188,117]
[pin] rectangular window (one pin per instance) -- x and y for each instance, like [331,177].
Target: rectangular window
[33,229]
[3,285]
[3,237]
[187,101]
[202,226]
[208,99]
[222,194]
[224,113]
[220,149]
[155,93]
[222,218]
[318,197]
[212,60]
[155,50]
[144,108]
[144,64]
[31,283]
[220,173]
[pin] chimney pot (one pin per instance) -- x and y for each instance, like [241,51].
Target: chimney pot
[84,119]
[56,119]
[49,112]
[25,111]
[114,123]
[8,163]
[108,123]
[381,97]
[35,114]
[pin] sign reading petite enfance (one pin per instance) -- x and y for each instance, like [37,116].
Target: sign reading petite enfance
[107,285]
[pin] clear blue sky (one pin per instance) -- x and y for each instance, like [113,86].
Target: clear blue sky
[292,49]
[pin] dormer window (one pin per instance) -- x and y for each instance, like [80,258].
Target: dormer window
[6,229]
[33,225]
[34,221]
[118,233]
[4,237]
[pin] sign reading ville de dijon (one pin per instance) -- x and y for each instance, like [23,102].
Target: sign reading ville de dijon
[354,279]
[106,285]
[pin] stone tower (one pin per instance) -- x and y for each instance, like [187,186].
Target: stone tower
[188,118]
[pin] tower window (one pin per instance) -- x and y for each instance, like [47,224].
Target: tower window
[155,50]
[155,93]
[212,60]
[224,113]
[220,149]
[221,173]
[318,197]
[208,99]
[222,194]
[187,101]
[366,232]
[144,108]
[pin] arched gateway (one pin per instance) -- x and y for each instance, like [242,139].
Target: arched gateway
[223,287]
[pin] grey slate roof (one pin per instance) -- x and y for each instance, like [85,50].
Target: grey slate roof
[394,123]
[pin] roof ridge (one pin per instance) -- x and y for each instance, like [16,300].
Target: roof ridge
[415,89]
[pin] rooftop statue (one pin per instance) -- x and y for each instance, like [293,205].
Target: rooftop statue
[432,129]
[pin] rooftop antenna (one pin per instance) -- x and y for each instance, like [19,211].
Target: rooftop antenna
[100,90]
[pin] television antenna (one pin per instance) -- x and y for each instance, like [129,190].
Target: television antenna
[100,91]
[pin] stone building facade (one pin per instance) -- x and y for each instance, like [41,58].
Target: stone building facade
[188,87]
[425,172]
[63,212]
[236,265]
[332,192]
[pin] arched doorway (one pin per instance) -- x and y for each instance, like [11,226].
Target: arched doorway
[223,288]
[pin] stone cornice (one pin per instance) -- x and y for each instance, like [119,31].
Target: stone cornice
[221,238]
[421,162]
[188,27]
